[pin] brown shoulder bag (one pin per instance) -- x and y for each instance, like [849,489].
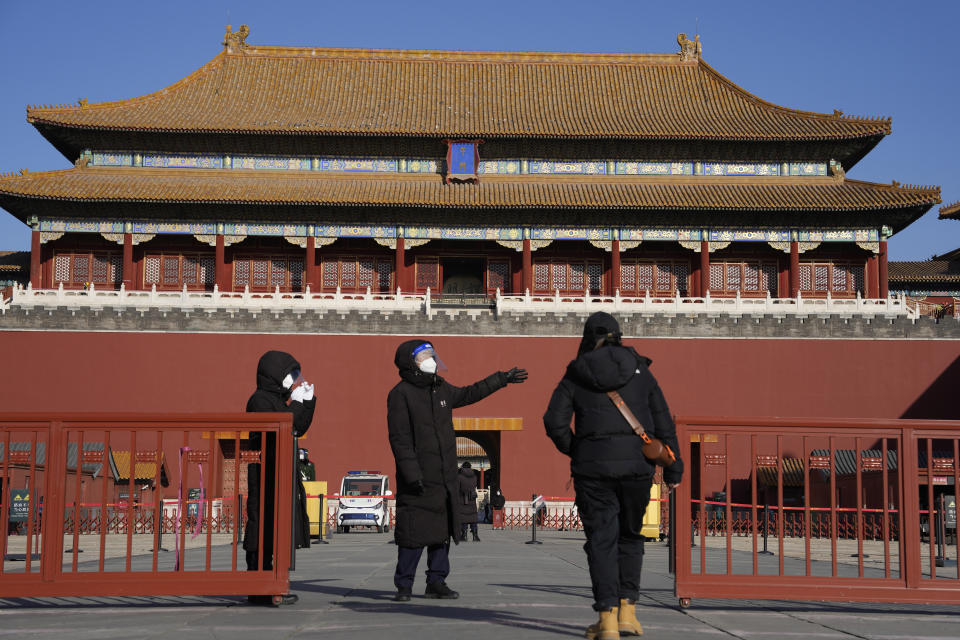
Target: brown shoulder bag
[653,449]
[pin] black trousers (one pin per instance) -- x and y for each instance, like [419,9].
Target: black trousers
[438,564]
[612,511]
[251,536]
[463,529]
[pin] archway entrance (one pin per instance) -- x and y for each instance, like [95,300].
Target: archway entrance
[482,450]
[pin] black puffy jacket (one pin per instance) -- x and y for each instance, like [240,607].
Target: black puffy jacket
[420,422]
[602,444]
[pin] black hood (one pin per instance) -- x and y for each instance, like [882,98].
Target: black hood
[272,369]
[599,325]
[408,370]
[607,368]
[467,472]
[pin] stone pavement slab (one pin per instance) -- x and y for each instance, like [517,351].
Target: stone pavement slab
[508,590]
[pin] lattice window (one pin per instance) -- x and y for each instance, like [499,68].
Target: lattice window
[365,272]
[859,283]
[331,278]
[558,276]
[716,276]
[663,277]
[733,277]
[645,276]
[577,275]
[628,276]
[61,268]
[843,278]
[751,276]
[384,275]
[806,277]
[151,270]
[840,278]
[348,274]
[768,277]
[278,273]
[260,273]
[295,267]
[191,269]
[116,268]
[595,277]
[171,270]
[681,276]
[428,274]
[821,278]
[207,270]
[80,269]
[541,276]
[241,273]
[498,275]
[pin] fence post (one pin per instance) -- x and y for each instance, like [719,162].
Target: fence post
[535,503]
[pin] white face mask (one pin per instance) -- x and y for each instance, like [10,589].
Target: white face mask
[287,382]
[429,366]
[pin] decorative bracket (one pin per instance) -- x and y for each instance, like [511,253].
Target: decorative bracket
[50,236]
[386,242]
[410,243]
[516,245]
[113,237]
[300,241]
[143,237]
[606,245]
[808,246]
[873,247]
[780,246]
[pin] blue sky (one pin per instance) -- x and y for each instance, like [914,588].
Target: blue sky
[877,58]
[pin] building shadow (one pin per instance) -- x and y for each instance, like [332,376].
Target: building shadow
[939,400]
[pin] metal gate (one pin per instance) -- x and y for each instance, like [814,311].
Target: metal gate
[811,509]
[57,469]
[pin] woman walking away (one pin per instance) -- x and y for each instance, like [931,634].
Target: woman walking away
[611,476]
[467,479]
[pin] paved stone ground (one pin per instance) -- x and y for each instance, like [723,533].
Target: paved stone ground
[508,590]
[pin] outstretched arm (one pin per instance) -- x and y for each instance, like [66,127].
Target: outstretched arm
[477,391]
[557,418]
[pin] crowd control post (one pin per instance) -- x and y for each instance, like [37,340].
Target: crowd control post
[535,503]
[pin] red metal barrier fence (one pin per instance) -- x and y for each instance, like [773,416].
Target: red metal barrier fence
[810,509]
[63,462]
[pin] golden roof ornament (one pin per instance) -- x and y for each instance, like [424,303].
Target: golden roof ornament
[690,50]
[236,40]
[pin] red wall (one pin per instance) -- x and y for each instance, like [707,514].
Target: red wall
[166,372]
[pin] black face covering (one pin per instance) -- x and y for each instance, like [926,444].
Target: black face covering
[601,327]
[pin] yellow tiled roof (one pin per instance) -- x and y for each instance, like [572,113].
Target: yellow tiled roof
[495,192]
[453,93]
[143,470]
[951,211]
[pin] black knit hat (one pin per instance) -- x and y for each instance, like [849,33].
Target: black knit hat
[599,326]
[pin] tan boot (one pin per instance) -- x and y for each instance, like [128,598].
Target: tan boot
[627,619]
[605,628]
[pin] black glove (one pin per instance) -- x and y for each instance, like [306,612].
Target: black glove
[417,488]
[515,375]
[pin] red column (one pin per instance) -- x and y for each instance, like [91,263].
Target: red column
[614,266]
[882,259]
[704,267]
[873,276]
[527,266]
[400,268]
[220,269]
[794,268]
[310,263]
[35,249]
[128,261]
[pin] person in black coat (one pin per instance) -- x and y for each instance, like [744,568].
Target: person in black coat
[611,476]
[420,424]
[467,493]
[277,373]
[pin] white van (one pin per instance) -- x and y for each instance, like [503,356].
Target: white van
[363,501]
